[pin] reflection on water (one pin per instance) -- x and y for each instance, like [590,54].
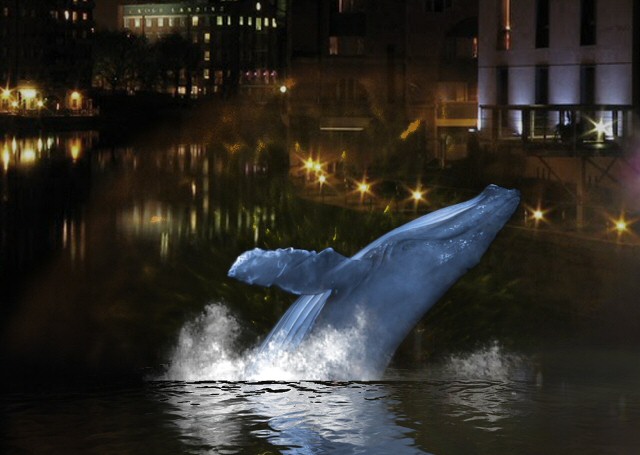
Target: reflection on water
[449,408]
[44,179]
[298,417]
[108,254]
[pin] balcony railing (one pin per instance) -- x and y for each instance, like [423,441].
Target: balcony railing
[457,113]
[558,127]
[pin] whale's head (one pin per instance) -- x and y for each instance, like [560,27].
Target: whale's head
[470,225]
[444,244]
[481,216]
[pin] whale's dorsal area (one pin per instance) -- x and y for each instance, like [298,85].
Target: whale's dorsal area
[396,278]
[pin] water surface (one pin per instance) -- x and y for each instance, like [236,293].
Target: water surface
[122,333]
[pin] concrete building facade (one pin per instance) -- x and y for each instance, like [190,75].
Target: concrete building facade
[573,60]
[558,87]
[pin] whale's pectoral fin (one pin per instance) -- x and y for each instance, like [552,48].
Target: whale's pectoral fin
[298,271]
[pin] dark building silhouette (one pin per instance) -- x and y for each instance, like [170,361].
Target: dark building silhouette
[45,51]
[363,72]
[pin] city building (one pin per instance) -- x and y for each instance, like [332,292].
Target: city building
[45,54]
[559,84]
[237,43]
[374,80]
[558,71]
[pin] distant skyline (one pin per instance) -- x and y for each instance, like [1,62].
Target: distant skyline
[106,14]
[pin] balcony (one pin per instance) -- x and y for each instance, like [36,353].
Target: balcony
[558,129]
[457,114]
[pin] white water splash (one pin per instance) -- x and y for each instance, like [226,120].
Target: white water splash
[490,363]
[207,350]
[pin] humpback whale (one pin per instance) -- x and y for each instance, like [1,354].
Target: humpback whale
[393,281]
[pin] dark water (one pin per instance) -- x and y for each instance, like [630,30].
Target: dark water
[108,254]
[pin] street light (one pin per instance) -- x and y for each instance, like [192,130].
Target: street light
[417,195]
[621,226]
[363,188]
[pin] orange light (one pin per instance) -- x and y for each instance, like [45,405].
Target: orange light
[621,226]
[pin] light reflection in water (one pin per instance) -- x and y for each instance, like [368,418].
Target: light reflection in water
[43,177]
[27,151]
[295,417]
[204,214]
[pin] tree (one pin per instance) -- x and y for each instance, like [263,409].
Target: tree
[177,57]
[116,59]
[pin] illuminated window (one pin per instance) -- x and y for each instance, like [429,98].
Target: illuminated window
[74,16]
[474,47]
[207,37]
[160,22]
[258,6]
[228,20]
[207,56]
[258,23]
[504,31]
[218,20]
[206,73]
[273,23]
[148,23]
[250,20]
[85,16]
[66,15]
[241,20]
[171,22]
[194,21]
[587,22]
[137,23]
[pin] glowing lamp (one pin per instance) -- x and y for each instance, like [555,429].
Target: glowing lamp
[322,179]
[621,226]
[28,93]
[283,89]
[363,187]
[417,195]
[601,127]
[538,215]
